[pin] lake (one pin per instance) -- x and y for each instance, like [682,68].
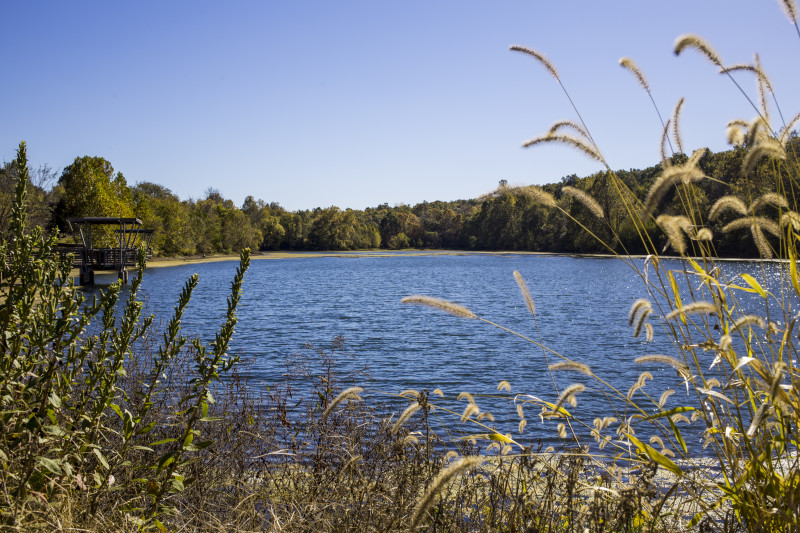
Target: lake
[582,306]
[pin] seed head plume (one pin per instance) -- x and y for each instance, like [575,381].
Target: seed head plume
[348,394]
[569,140]
[642,304]
[693,41]
[686,173]
[526,295]
[664,396]
[568,124]
[783,137]
[735,135]
[572,366]
[763,87]
[680,366]
[790,8]
[694,308]
[628,64]
[675,228]
[703,234]
[771,198]
[588,202]
[726,203]
[640,310]
[648,328]
[568,395]
[676,134]
[438,303]
[791,218]
[410,410]
[767,147]
[538,194]
[443,478]
[748,320]
[663,145]
[539,57]
[504,385]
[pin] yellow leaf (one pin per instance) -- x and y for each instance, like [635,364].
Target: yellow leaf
[754,284]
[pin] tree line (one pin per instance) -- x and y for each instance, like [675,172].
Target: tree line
[510,218]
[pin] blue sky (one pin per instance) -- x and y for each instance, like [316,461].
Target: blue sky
[357,103]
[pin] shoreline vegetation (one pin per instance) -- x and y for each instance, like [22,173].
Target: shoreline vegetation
[114,420]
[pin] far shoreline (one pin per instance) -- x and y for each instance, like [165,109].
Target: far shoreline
[164,262]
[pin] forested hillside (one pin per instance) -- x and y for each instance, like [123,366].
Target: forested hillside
[510,218]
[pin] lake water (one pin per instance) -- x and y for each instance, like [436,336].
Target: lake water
[582,306]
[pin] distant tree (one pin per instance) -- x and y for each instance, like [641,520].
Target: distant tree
[89,187]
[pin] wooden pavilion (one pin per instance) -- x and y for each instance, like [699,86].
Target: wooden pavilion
[130,238]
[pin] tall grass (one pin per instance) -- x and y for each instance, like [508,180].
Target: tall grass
[734,337]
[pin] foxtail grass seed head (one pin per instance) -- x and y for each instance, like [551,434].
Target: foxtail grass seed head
[470,410]
[727,203]
[522,424]
[440,481]
[539,57]
[628,64]
[640,321]
[410,393]
[748,320]
[567,124]
[662,146]
[571,366]
[466,395]
[568,395]
[504,385]
[410,410]
[788,129]
[526,294]
[442,305]
[680,366]
[438,392]
[735,135]
[568,140]
[676,131]
[703,234]
[539,195]
[584,198]
[639,305]
[790,8]
[694,308]
[520,411]
[767,148]
[771,198]
[674,228]
[693,41]
[791,218]
[662,400]
[351,394]
[562,431]
[485,416]
[670,177]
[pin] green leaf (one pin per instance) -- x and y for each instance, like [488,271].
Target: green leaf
[655,455]
[754,284]
[100,458]
[159,525]
[210,418]
[162,441]
[678,435]
[673,411]
[55,401]
[147,428]
[117,410]
[50,464]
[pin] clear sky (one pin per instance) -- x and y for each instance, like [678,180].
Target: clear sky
[356,103]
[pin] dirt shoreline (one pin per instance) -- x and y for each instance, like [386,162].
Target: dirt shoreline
[163,262]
